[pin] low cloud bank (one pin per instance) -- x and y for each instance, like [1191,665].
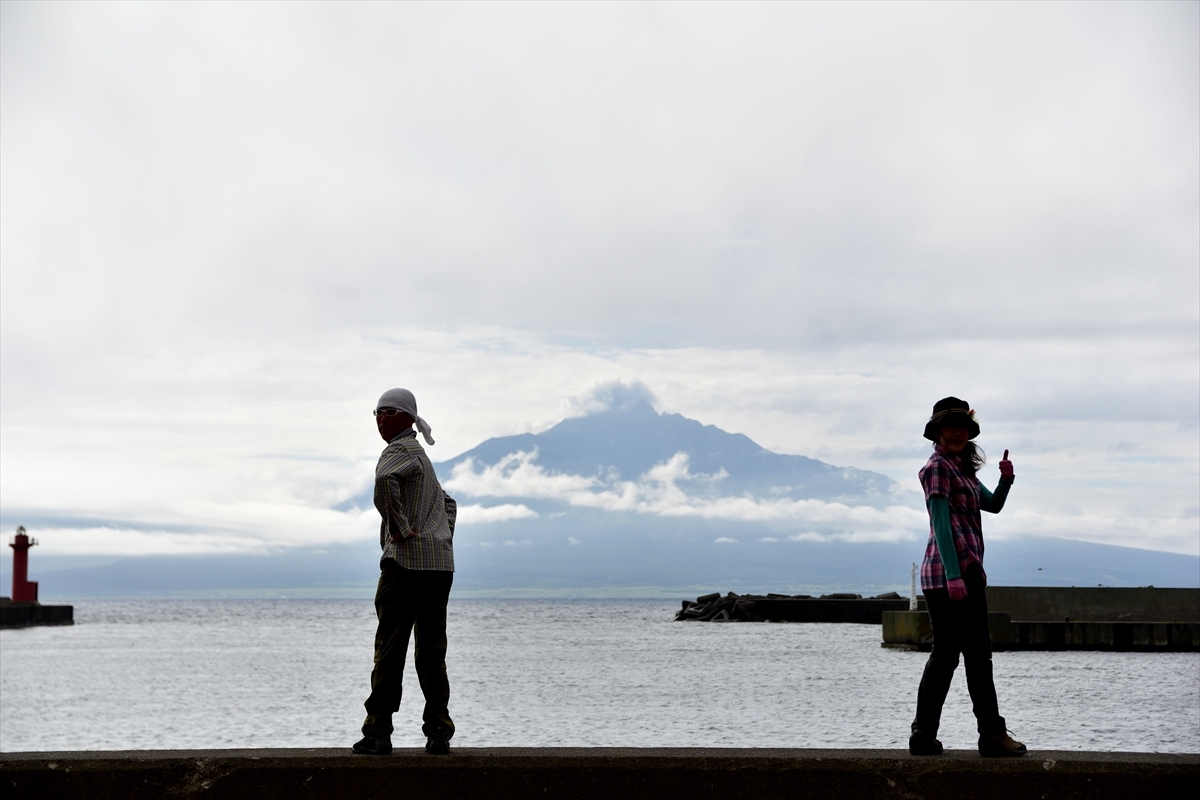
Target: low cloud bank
[663,491]
[476,514]
[247,528]
[116,541]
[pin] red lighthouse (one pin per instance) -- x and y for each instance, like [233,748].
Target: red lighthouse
[24,590]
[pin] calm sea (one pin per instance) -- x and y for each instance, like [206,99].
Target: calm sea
[293,673]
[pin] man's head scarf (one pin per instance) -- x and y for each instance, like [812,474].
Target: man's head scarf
[404,400]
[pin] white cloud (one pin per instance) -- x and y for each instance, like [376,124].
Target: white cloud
[477,514]
[207,527]
[857,536]
[508,543]
[105,541]
[724,540]
[877,151]
[515,475]
[611,396]
[768,539]
[622,497]
[1091,526]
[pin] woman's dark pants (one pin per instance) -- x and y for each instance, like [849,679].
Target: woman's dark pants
[959,627]
[406,598]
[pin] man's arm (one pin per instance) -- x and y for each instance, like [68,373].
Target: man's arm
[390,493]
[451,512]
[398,525]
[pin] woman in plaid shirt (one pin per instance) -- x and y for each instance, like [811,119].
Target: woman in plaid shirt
[954,582]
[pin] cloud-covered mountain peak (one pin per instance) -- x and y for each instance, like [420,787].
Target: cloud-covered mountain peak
[619,397]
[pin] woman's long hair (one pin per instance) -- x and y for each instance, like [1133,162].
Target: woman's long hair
[971,459]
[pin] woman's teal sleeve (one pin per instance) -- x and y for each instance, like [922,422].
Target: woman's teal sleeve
[939,515]
[993,502]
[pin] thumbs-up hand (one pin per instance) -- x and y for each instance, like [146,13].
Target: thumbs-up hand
[1006,468]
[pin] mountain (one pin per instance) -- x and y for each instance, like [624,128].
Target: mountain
[630,439]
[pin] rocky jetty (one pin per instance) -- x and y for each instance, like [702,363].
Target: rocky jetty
[770,607]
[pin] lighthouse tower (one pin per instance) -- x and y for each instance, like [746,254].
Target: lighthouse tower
[23,590]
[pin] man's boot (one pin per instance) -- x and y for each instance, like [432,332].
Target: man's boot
[923,744]
[376,745]
[438,742]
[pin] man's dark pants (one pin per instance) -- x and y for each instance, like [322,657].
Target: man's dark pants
[959,627]
[406,598]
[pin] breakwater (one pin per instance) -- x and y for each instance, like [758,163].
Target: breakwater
[1144,619]
[593,773]
[1119,619]
[840,607]
[1095,604]
[911,629]
[29,614]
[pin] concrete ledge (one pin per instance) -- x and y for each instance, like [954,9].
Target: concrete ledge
[27,615]
[911,629]
[1099,604]
[592,773]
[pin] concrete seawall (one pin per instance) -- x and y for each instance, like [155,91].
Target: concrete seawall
[1117,619]
[911,629]
[593,774]
[1105,604]
[28,615]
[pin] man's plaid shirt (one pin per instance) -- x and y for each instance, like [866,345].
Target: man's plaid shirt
[410,498]
[942,477]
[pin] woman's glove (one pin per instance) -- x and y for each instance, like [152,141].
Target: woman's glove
[958,589]
[1006,468]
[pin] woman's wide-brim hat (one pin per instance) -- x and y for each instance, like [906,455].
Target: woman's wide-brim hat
[951,411]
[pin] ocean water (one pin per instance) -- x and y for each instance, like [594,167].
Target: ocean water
[293,673]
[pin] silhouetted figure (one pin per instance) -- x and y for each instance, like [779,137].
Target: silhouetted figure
[954,582]
[416,571]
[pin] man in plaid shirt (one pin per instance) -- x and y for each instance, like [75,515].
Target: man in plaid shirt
[954,582]
[416,534]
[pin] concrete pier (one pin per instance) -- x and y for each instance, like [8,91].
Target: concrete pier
[27,615]
[1145,620]
[593,774]
[1099,604]
[911,630]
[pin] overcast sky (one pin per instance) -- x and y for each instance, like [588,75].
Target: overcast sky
[225,229]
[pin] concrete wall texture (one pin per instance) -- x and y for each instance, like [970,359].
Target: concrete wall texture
[1108,604]
[594,774]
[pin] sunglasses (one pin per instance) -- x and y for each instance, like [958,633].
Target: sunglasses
[387,412]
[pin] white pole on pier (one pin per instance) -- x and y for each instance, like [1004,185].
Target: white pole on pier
[912,592]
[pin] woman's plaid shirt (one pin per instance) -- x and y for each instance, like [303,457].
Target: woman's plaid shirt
[942,477]
[410,498]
